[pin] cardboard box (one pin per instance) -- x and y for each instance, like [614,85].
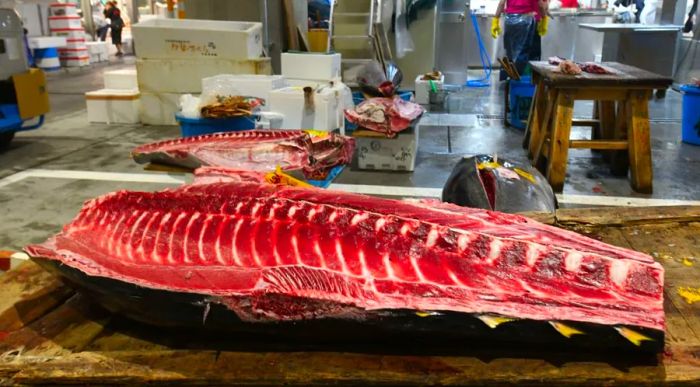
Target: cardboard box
[185,75]
[159,108]
[113,106]
[197,39]
[376,152]
[313,66]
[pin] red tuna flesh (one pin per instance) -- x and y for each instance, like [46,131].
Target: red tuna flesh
[249,241]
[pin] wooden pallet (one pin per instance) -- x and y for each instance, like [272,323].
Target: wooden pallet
[50,334]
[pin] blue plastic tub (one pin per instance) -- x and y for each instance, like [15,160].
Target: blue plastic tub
[357,99]
[690,132]
[521,93]
[198,126]
[329,179]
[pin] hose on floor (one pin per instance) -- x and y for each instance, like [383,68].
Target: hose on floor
[483,55]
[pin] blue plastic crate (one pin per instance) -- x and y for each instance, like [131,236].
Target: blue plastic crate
[521,93]
[690,132]
[199,126]
[329,179]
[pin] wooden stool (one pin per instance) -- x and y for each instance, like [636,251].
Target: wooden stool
[620,126]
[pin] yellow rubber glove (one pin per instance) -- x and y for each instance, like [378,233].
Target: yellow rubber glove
[542,26]
[496,27]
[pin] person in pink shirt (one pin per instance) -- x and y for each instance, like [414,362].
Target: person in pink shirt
[525,24]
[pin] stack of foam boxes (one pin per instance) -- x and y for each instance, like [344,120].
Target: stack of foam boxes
[98,51]
[119,102]
[174,55]
[316,97]
[65,22]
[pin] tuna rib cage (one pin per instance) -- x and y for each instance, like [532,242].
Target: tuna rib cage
[251,240]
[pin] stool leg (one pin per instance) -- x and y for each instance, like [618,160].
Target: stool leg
[559,144]
[639,142]
[619,160]
[534,125]
[545,128]
[606,116]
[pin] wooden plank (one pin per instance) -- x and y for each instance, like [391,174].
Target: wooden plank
[606,115]
[322,368]
[559,144]
[28,292]
[639,138]
[290,25]
[593,123]
[619,216]
[599,94]
[624,76]
[66,329]
[598,144]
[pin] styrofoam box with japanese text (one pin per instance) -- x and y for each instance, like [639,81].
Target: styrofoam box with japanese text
[185,75]
[313,66]
[188,38]
[388,154]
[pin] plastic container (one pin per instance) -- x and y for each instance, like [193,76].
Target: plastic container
[521,93]
[690,132]
[47,59]
[423,88]
[190,39]
[198,126]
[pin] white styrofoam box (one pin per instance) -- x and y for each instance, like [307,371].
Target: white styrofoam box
[73,52]
[69,33]
[97,58]
[422,89]
[388,154]
[185,75]
[159,108]
[75,42]
[315,83]
[63,9]
[311,66]
[113,106]
[120,79]
[252,85]
[79,61]
[42,42]
[188,38]
[97,47]
[60,22]
[290,102]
